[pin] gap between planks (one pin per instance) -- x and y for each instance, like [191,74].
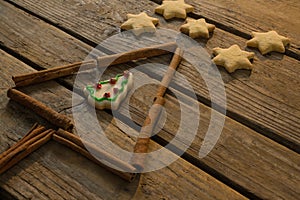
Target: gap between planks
[267,131]
[42,154]
[293,53]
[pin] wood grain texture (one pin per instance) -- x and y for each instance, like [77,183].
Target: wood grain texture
[266,99]
[15,120]
[258,164]
[271,92]
[241,17]
[236,17]
[72,175]
[241,79]
[92,21]
[254,15]
[18,27]
[241,157]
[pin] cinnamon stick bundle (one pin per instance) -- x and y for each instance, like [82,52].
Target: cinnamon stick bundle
[142,144]
[29,143]
[35,130]
[103,61]
[74,142]
[41,109]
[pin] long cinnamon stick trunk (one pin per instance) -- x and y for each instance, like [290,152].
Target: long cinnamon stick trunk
[142,144]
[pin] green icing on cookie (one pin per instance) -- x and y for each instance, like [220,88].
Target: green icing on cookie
[91,89]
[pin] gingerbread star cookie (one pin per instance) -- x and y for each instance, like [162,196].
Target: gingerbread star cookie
[233,58]
[140,23]
[172,9]
[267,42]
[197,28]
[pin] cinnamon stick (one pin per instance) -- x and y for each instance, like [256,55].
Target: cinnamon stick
[41,109]
[52,73]
[22,147]
[100,153]
[35,130]
[142,144]
[103,61]
[145,52]
[72,144]
[24,151]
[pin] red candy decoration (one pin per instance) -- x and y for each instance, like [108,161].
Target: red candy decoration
[116,90]
[113,81]
[98,85]
[107,95]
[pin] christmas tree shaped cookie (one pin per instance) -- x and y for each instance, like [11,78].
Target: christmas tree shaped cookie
[109,94]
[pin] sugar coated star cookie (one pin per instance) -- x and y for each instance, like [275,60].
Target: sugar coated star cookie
[172,9]
[233,58]
[109,94]
[140,23]
[268,42]
[197,28]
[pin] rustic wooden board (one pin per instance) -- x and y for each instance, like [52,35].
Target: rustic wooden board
[19,26]
[272,101]
[236,17]
[242,17]
[245,156]
[267,99]
[91,21]
[86,178]
[247,16]
[40,175]
[259,165]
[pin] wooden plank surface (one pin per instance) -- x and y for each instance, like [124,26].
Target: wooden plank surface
[245,155]
[265,100]
[273,84]
[258,164]
[242,17]
[85,178]
[51,174]
[92,21]
[44,174]
[235,17]
[241,179]
[16,27]
[246,16]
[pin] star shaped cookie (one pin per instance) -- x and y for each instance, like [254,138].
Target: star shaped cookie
[197,28]
[172,9]
[267,42]
[233,58]
[140,23]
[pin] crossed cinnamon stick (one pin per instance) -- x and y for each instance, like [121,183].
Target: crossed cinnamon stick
[142,144]
[34,139]
[103,61]
[75,143]
[38,135]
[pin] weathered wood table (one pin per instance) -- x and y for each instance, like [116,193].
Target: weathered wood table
[257,155]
